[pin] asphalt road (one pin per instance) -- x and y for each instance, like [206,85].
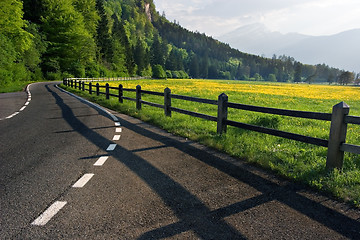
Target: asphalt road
[145,184]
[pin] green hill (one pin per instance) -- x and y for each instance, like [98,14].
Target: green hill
[93,38]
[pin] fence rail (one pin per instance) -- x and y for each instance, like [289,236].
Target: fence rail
[107,79]
[339,117]
[283,112]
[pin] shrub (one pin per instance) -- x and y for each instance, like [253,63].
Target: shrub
[158,72]
[53,76]
[169,74]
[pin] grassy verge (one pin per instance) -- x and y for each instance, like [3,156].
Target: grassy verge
[14,87]
[297,161]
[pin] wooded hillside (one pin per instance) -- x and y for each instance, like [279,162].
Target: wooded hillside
[52,39]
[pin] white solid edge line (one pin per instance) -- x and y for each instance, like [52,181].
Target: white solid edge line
[83,180]
[101,161]
[93,104]
[45,217]
[111,147]
[116,138]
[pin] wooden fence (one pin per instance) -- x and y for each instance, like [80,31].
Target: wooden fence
[339,117]
[107,79]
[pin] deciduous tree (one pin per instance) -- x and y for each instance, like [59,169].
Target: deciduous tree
[70,45]
[346,77]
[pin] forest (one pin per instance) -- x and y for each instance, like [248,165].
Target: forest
[53,39]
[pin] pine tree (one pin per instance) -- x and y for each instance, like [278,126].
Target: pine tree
[172,61]
[204,67]
[140,57]
[297,74]
[157,52]
[194,67]
[103,39]
[119,34]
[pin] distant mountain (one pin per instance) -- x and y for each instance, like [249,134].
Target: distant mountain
[257,39]
[339,50]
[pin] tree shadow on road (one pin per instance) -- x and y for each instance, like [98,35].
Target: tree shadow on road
[192,213]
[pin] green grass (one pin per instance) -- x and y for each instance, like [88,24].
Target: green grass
[294,160]
[14,87]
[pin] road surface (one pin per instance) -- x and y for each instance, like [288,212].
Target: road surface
[70,170]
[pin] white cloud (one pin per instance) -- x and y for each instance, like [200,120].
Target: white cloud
[216,17]
[316,17]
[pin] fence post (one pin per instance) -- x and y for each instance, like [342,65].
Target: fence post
[83,85]
[335,157]
[121,93]
[167,102]
[107,91]
[97,89]
[222,113]
[90,88]
[138,97]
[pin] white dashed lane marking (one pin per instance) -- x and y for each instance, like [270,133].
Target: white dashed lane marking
[45,217]
[25,105]
[12,115]
[56,207]
[111,147]
[83,180]
[101,161]
[116,138]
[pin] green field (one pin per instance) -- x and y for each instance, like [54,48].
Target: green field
[294,160]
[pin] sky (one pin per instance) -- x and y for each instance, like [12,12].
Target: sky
[217,17]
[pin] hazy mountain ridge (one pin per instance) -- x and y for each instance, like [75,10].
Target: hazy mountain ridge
[339,50]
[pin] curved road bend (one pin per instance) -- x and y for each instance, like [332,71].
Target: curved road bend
[72,171]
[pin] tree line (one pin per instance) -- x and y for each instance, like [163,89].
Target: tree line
[51,39]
